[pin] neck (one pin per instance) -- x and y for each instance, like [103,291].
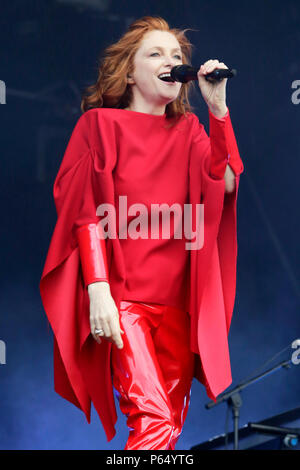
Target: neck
[139,109]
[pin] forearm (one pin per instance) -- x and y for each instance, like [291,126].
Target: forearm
[93,258]
[229,178]
[225,158]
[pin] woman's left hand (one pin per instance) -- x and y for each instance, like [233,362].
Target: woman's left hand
[214,94]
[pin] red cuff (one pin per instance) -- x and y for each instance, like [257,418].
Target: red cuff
[92,251]
[224,149]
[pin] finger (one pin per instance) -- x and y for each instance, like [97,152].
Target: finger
[116,337]
[92,326]
[96,326]
[221,65]
[96,337]
[210,67]
[118,321]
[201,72]
[106,327]
[210,62]
[99,327]
[115,329]
[205,65]
[102,324]
[119,325]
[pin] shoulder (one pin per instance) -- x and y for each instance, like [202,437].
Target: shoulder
[193,119]
[94,122]
[198,129]
[94,115]
[194,126]
[96,131]
[91,115]
[101,113]
[100,120]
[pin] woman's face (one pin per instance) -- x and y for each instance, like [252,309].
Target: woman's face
[159,52]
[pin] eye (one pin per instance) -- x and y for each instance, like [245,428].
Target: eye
[176,55]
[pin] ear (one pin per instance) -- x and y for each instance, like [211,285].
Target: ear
[129,79]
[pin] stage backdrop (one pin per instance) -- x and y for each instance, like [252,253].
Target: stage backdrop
[49,52]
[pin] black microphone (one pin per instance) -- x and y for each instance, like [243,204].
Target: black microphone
[184,73]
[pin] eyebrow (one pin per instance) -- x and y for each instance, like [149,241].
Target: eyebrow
[161,48]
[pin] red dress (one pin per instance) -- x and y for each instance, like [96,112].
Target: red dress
[114,152]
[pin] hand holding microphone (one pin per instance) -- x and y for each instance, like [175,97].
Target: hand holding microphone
[212,78]
[184,73]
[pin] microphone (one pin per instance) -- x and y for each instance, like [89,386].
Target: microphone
[184,73]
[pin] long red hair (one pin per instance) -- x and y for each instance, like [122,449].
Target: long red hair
[111,89]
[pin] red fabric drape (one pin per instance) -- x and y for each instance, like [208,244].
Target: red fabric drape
[82,370]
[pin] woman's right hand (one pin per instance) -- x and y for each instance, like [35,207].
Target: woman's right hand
[104,313]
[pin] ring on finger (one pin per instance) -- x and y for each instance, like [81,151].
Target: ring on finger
[99,331]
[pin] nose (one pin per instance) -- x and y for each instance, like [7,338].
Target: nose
[170,61]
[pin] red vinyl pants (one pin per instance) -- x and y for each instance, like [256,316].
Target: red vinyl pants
[153,373]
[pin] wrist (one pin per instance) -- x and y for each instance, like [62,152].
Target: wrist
[98,286]
[219,111]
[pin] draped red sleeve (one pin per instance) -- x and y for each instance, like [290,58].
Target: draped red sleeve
[81,366]
[213,267]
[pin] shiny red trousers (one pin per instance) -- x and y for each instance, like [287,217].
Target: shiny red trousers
[153,372]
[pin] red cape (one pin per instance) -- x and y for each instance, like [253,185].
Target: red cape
[82,372]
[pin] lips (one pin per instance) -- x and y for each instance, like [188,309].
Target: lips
[167,82]
[166,78]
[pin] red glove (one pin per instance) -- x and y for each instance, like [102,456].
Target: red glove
[92,251]
[224,149]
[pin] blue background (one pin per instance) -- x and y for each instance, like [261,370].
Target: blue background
[48,55]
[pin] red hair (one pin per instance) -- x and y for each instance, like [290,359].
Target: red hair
[111,89]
